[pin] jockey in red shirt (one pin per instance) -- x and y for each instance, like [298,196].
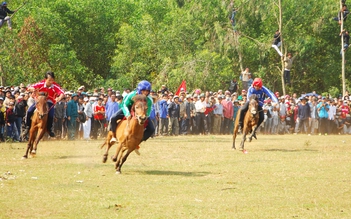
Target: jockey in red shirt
[54,94]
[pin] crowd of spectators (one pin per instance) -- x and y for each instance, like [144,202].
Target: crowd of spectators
[188,113]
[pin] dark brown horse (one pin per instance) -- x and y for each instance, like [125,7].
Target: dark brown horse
[249,124]
[38,125]
[129,133]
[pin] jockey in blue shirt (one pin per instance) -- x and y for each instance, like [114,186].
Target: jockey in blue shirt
[261,93]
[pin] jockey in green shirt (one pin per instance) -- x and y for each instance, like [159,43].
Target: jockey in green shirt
[144,87]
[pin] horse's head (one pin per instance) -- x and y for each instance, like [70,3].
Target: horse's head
[41,105]
[139,108]
[253,105]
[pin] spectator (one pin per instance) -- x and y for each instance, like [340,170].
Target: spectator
[4,11]
[173,115]
[227,114]
[152,116]
[304,115]
[164,89]
[314,116]
[20,112]
[233,86]
[59,117]
[245,76]
[346,40]
[88,110]
[201,122]
[186,115]
[342,15]
[2,119]
[323,108]
[72,115]
[111,107]
[288,61]
[331,116]
[10,121]
[192,122]
[282,127]
[163,106]
[99,118]
[277,42]
[81,117]
[218,116]
[232,18]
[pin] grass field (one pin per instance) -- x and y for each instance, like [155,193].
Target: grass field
[181,177]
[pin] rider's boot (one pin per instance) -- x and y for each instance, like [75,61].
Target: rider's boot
[26,131]
[137,150]
[254,134]
[113,139]
[240,127]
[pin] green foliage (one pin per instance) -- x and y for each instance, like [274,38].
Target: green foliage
[118,43]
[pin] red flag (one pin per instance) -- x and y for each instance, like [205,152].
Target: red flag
[182,87]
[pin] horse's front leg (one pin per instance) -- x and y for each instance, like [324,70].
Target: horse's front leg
[29,147]
[235,133]
[109,145]
[118,168]
[40,135]
[243,140]
[253,133]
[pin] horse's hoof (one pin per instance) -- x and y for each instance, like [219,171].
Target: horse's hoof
[118,172]
[33,152]
[233,148]
[250,139]
[24,157]
[114,159]
[104,159]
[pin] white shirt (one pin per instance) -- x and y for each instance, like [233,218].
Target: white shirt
[331,112]
[200,107]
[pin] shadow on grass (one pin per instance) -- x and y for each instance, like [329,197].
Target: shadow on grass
[290,150]
[173,173]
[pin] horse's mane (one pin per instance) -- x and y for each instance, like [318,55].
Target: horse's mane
[41,102]
[253,97]
[139,97]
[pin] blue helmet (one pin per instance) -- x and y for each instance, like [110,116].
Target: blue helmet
[4,3]
[143,85]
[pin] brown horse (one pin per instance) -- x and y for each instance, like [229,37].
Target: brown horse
[129,133]
[38,126]
[249,124]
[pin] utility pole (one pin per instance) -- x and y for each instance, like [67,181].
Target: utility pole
[342,49]
[282,43]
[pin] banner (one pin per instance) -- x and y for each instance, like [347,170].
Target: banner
[182,87]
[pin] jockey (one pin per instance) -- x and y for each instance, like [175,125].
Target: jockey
[144,87]
[54,94]
[261,93]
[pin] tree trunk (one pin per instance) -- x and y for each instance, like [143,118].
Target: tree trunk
[342,51]
[1,76]
[282,43]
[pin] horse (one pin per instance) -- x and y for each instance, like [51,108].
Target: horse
[249,124]
[129,133]
[38,125]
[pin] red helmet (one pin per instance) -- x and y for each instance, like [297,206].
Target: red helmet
[257,82]
[277,94]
